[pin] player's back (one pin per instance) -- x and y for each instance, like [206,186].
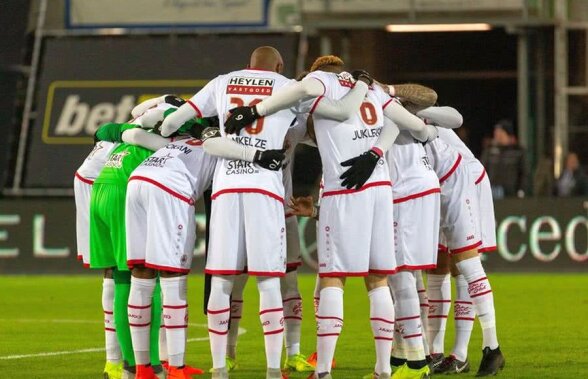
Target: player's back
[246,88]
[121,163]
[452,139]
[182,165]
[94,162]
[339,141]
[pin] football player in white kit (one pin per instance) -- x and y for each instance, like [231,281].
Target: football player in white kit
[83,180]
[247,224]
[338,238]
[463,226]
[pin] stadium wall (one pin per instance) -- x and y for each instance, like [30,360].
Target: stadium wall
[38,236]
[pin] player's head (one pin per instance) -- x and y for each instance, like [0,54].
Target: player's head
[266,58]
[328,63]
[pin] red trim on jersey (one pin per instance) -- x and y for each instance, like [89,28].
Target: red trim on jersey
[452,170]
[82,179]
[341,274]
[480,294]
[315,104]
[267,273]
[383,272]
[163,187]
[218,312]
[167,268]
[381,319]
[195,108]
[417,195]
[139,306]
[293,265]
[387,103]
[348,191]
[217,332]
[223,272]
[271,310]
[273,332]
[481,177]
[408,318]
[487,249]
[417,267]
[247,190]
[465,248]
[442,248]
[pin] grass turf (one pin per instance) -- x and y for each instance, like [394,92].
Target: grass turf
[541,323]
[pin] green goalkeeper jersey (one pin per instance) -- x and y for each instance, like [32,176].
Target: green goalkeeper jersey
[121,163]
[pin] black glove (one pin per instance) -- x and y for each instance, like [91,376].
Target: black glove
[362,73]
[270,159]
[174,100]
[361,169]
[240,118]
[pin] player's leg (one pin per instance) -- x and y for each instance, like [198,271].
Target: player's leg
[113,367]
[439,294]
[329,322]
[236,313]
[424,304]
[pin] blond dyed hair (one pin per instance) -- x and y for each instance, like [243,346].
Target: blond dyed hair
[326,60]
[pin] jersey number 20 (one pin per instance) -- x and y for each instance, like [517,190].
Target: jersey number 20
[257,126]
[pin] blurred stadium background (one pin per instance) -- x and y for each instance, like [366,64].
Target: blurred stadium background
[67,66]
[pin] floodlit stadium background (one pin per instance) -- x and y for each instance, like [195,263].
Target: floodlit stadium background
[67,66]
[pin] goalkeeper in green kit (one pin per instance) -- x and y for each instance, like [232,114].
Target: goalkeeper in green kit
[107,223]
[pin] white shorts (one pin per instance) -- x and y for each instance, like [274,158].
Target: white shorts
[293,257]
[486,218]
[161,228]
[82,194]
[355,234]
[247,232]
[459,221]
[416,230]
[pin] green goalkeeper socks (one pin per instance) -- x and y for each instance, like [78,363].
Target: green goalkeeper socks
[122,288]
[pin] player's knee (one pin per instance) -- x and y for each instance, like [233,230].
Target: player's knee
[402,284]
[171,274]
[338,282]
[268,283]
[464,255]
[143,272]
[374,281]
[108,273]
[222,284]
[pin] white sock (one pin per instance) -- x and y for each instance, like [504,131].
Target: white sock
[110,341]
[481,294]
[408,317]
[271,315]
[175,317]
[439,293]
[382,322]
[163,341]
[236,313]
[292,303]
[139,308]
[424,305]
[464,316]
[317,296]
[330,323]
[219,310]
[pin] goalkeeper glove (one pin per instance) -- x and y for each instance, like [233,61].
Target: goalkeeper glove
[270,159]
[360,170]
[240,118]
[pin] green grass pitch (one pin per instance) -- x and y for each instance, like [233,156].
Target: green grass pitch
[50,327]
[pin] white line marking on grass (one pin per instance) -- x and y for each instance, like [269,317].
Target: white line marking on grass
[81,351]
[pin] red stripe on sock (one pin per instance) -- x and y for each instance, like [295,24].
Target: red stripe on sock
[292,318]
[277,331]
[139,306]
[480,294]
[381,319]
[437,316]
[424,305]
[271,310]
[421,291]
[218,312]
[463,302]
[408,318]
[478,280]
[412,336]
[176,306]
[217,332]
[110,329]
[108,312]
[291,298]
[465,318]
[328,318]
[439,301]
[384,338]
[327,334]
[140,325]
[176,326]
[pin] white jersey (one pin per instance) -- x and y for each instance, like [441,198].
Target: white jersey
[444,158]
[246,88]
[94,162]
[181,166]
[295,135]
[452,139]
[339,141]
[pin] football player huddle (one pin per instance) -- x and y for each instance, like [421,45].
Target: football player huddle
[401,194]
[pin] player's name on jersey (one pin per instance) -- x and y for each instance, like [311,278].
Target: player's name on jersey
[250,86]
[251,141]
[366,133]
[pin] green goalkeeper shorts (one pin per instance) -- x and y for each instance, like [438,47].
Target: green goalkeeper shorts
[107,226]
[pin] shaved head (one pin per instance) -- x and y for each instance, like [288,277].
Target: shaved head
[266,58]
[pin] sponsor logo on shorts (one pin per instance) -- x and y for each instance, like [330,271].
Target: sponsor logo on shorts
[469,238]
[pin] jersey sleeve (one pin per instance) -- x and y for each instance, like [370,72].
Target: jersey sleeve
[204,101]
